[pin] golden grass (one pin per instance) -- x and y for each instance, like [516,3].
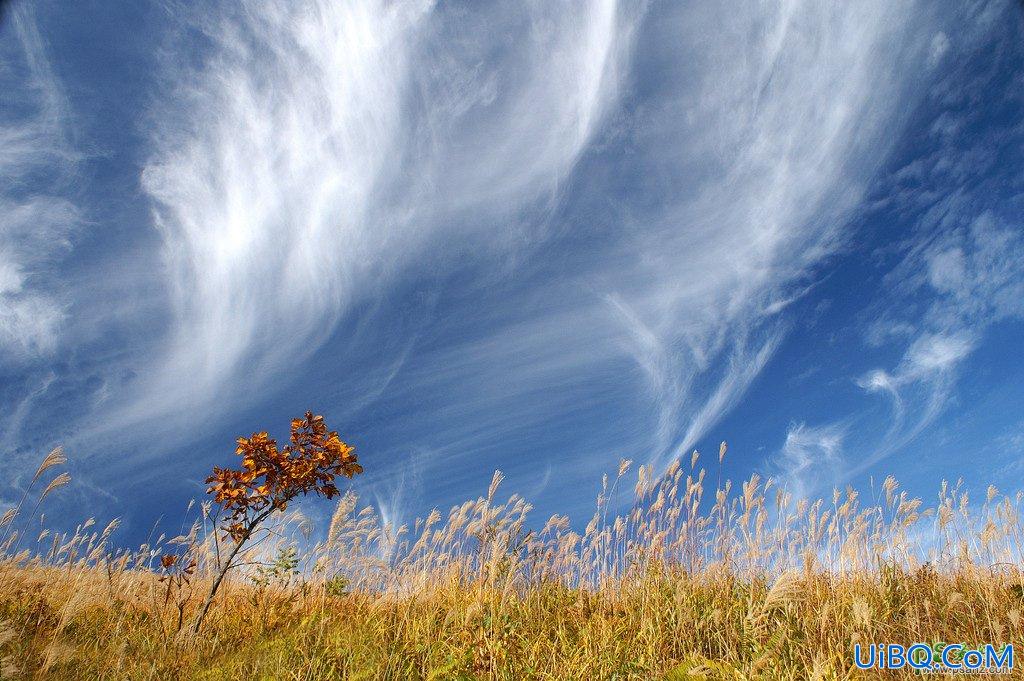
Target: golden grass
[744,584]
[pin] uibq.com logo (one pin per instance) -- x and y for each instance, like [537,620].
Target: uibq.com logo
[945,658]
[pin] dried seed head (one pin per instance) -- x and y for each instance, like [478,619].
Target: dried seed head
[495,481]
[56,483]
[54,458]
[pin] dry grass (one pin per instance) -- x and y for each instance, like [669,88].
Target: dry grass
[743,584]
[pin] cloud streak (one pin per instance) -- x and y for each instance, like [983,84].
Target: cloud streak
[972,277]
[571,231]
[317,152]
[767,150]
[959,272]
[37,222]
[811,458]
[312,158]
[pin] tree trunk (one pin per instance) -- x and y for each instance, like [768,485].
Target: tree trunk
[227,566]
[216,585]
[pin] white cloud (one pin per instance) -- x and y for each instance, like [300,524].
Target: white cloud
[318,154]
[878,380]
[34,225]
[939,47]
[934,353]
[764,174]
[962,269]
[946,270]
[972,276]
[811,460]
[320,149]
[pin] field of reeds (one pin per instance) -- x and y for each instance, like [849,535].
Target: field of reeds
[692,579]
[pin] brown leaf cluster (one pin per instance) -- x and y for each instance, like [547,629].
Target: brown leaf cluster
[270,477]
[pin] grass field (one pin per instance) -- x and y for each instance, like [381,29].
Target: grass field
[689,582]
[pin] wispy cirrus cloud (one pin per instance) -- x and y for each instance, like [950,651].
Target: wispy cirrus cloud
[318,151]
[972,276]
[811,459]
[959,270]
[761,179]
[311,158]
[579,223]
[36,221]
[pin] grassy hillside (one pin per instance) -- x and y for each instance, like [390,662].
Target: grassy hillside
[741,583]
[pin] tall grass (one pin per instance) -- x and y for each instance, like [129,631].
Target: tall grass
[689,581]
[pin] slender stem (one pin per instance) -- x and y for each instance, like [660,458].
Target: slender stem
[227,566]
[17,511]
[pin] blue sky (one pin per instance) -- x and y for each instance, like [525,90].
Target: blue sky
[534,237]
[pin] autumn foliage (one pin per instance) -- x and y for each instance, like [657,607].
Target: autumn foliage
[271,477]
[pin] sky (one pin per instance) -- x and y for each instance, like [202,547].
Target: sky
[538,237]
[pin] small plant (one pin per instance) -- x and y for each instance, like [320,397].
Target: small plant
[337,586]
[270,478]
[280,572]
[177,577]
[276,591]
